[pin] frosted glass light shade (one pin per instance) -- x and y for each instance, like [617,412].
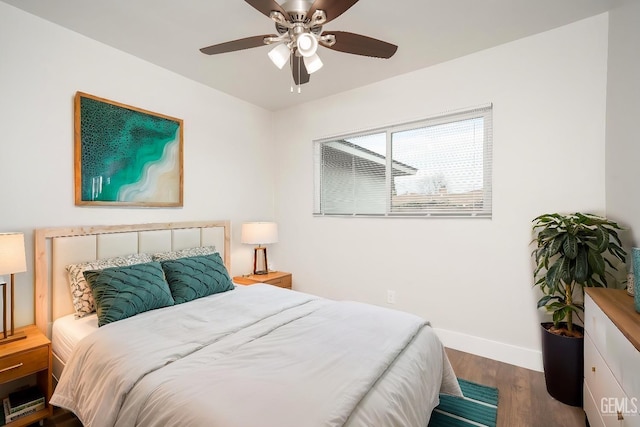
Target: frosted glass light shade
[307,45]
[259,233]
[279,55]
[312,63]
[12,255]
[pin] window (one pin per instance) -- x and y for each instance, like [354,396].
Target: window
[440,166]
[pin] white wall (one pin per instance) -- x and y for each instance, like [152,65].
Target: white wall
[227,142]
[623,112]
[470,277]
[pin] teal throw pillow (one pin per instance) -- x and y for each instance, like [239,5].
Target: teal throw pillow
[196,277]
[122,292]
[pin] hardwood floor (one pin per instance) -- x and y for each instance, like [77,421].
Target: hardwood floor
[61,418]
[523,398]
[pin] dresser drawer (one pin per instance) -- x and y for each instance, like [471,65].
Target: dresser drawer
[607,394]
[621,356]
[597,374]
[595,323]
[24,363]
[591,408]
[625,363]
[611,374]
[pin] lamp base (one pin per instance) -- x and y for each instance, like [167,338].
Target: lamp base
[260,259]
[11,338]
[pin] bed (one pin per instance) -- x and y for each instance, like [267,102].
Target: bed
[244,356]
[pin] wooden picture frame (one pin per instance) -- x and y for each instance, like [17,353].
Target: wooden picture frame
[126,156]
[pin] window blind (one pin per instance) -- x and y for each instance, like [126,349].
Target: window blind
[439,166]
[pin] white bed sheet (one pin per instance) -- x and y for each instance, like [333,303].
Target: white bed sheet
[68,331]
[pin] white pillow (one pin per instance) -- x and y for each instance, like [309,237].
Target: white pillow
[81,292]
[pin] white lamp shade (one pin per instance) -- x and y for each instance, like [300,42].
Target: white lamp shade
[259,233]
[312,63]
[12,255]
[279,55]
[307,44]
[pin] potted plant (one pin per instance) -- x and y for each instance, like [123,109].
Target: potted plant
[572,252]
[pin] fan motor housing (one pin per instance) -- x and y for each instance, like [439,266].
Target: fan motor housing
[297,9]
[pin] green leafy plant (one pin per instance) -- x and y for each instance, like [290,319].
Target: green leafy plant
[571,254]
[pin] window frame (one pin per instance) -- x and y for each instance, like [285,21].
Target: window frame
[485,112]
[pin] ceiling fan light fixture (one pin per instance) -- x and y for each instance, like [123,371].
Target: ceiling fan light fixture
[307,44]
[279,55]
[313,63]
[299,30]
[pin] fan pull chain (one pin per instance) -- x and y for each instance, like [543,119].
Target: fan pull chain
[299,77]
[299,73]
[291,67]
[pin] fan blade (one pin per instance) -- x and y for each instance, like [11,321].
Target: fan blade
[362,45]
[234,45]
[299,70]
[266,6]
[332,8]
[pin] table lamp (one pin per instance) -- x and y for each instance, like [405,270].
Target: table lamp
[259,233]
[12,260]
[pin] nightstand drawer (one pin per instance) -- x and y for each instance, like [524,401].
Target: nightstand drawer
[283,282]
[24,363]
[276,278]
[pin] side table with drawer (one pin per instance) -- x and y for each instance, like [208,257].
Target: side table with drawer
[276,278]
[25,357]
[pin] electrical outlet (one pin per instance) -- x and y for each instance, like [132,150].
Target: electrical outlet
[391,297]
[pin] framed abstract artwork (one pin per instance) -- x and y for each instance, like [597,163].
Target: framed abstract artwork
[126,156]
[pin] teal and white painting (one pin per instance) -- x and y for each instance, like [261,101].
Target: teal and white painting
[125,155]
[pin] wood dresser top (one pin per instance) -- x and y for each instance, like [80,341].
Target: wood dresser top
[619,307]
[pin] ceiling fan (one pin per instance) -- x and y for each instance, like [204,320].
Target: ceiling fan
[299,27]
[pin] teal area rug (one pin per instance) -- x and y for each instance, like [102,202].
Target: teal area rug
[478,407]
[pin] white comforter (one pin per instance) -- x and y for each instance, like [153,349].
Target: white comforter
[258,356]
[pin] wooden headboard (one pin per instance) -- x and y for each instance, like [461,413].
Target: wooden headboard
[55,248]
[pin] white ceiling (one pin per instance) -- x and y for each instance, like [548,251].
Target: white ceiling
[170,32]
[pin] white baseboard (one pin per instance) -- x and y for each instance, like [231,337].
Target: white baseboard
[507,353]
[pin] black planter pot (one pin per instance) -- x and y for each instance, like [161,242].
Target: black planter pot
[563,360]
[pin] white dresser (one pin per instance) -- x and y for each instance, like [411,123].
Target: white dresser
[611,359]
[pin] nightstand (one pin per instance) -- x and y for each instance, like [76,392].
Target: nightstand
[25,357]
[276,278]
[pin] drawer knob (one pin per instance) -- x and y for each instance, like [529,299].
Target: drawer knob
[593,369]
[11,367]
[620,417]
